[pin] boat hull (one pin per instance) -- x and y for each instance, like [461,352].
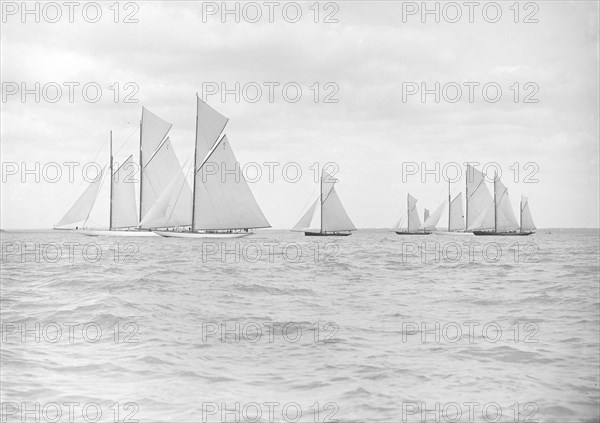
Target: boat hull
[327,233]
[201,235]
[491,233]
[442,233]
[131,234]
[412,233]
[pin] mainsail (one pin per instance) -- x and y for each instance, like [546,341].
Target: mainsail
[479,201]
[224,201]
[326,213]
[410,221]
[124,210]
[157,160]
[81,209]
[526,219]
[505,217]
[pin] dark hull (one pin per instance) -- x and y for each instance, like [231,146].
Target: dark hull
[327,233]
[413,233]
[491,233]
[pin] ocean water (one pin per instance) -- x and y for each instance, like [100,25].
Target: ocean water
[281,327]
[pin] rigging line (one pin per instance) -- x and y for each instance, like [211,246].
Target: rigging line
[309,201]
[126,140]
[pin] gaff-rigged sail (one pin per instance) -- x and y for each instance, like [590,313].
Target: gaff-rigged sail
[81,209]
[224,201]
[479,200]
[124,209]
[457,217]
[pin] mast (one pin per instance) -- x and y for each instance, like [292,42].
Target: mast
[521,215]
[321,208]
[141,165]
[194,172]
[495,205]
[449,205]
[407,214]
[467,200]
[110,213]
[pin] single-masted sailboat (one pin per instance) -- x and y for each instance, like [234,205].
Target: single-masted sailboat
[326,216]
[409,223]
[222,205]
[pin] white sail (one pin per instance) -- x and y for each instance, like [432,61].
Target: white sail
[479,201]
[526,219]
[81,209]
[304,222]
[334,216]
[505,216]
[221,201]
[434,218]
[173,207]
[124,210]
[160,170]
[414,223]
[457,218]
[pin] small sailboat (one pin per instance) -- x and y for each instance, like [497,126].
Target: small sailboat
[221,207]
[411,220]
[499,218]
[326,216]
[526,225]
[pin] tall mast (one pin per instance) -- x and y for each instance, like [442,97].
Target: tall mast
[467,200]
[495,205]
[141,165]
[321,208]
[110,213]
[449,205]
[194,172]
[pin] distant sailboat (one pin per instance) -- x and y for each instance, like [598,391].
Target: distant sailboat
[411,220]
[221,207]
[425,215]
[326,216]
[499,219]
[526,221]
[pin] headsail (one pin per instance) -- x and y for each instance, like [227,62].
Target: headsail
[81,209]
[173,207]
[224,201]
[433,220]
[414,223]
[305,221]
[526,219]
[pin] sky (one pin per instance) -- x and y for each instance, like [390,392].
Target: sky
[367,121]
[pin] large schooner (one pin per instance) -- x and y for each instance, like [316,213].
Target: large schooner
[222,206]
[326,216]
[158,166]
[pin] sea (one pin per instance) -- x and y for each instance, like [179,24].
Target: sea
[279,327]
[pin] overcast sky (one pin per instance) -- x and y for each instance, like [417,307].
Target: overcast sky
[370,55]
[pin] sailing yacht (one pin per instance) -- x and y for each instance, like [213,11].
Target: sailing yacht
[158,164]
[411,220]
[326,216]
[221,206]
[499,218]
